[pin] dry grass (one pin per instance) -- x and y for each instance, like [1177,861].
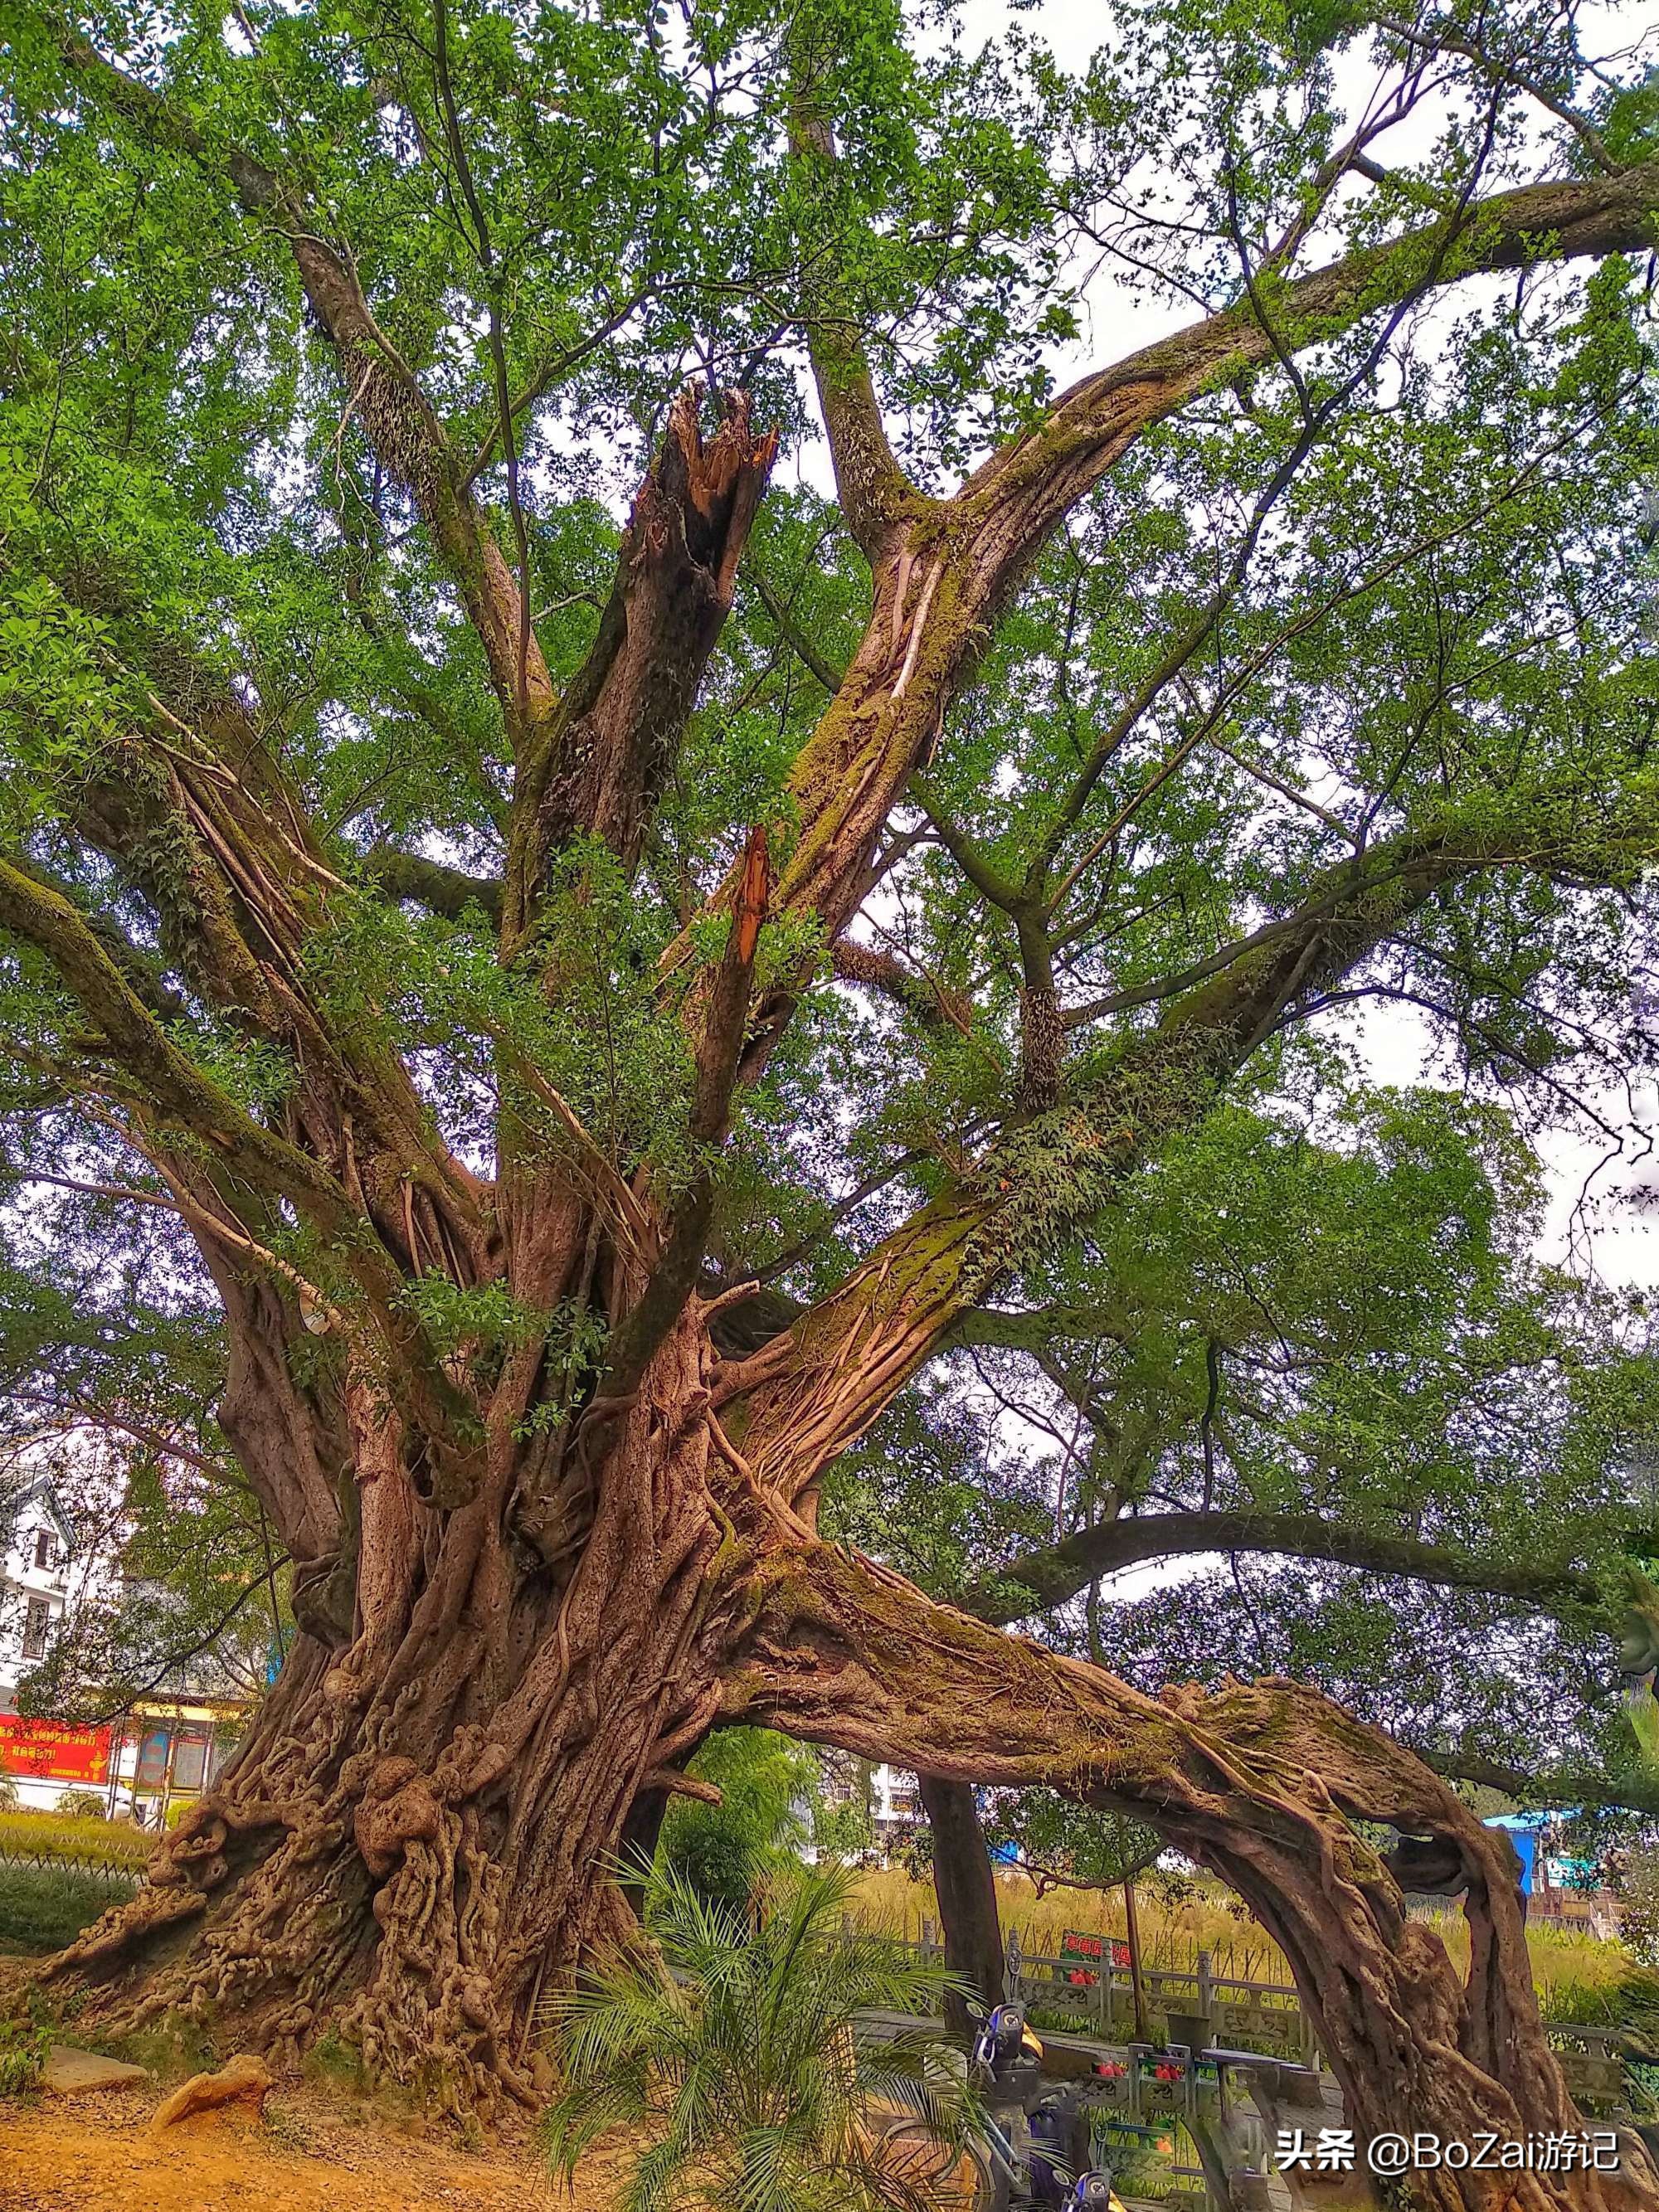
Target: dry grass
[889,1901]
[1172,1937]
[1559,1961]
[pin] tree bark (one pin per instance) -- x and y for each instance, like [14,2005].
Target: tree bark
[414,1833]
[967,1893]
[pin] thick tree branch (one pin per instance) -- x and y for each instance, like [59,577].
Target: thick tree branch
[1050,1574]
[1261,1783]
[144,1065]
[1036,1328]
[1562,1787]
[877,497]
[443,891]
[810,1395]
[598,766]
[921,996]
[1022,491]
[141,970]
[942,578]
[724,1011]
[179,1112]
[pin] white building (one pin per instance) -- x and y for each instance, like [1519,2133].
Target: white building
[42,1758]
[895,1803]
[889,1797]
[171,1744]
[34,1581]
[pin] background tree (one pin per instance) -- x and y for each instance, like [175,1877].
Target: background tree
[601,1026]
[762,1789]
[1383,1427]
[111,1369]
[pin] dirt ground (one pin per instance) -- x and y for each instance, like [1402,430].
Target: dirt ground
[312,2153]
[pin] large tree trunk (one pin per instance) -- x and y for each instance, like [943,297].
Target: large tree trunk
[519,1617]
[422,1826]
[344,1880]
[967,1894]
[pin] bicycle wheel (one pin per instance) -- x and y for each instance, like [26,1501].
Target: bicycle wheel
[957,2180]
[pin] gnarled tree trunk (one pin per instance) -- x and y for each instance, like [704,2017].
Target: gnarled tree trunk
[422,1825]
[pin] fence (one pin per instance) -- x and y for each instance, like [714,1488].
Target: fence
[1095,1998]
[58,1858]
[1200,2007]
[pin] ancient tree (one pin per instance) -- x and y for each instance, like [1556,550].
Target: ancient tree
[470,929]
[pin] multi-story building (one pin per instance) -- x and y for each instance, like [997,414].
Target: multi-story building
[888,1796]
[175,1740]
[894,1804]
[41,1757]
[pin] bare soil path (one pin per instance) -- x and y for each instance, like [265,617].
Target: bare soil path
[313,2153]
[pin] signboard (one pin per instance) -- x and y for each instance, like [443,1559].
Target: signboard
[49,1751]
[1099,1950]
[151,1770]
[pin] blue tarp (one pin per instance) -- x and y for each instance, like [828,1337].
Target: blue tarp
[1523,1831]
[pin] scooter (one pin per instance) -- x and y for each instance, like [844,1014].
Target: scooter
[1034,2140]
[1094,2193]
[1026,2153]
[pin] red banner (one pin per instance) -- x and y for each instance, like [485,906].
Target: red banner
[48,1751]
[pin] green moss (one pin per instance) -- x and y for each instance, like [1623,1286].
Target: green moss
[172,2048]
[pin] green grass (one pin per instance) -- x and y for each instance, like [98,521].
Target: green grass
[43,1908]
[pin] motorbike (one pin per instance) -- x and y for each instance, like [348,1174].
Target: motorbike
[1031,2151]
[1038,2138]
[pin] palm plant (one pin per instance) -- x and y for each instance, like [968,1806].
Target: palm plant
[735,2054]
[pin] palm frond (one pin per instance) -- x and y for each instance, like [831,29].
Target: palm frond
[734,2049]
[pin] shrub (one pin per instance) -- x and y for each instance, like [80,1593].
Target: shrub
[762,1779]
[80,1805]
[745,2071]
[8,1797]
[22,2056]
[96,1842]
[1638,1902]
